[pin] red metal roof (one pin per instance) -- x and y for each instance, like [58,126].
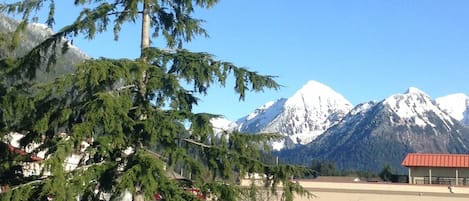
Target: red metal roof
[436,160]
[21,152]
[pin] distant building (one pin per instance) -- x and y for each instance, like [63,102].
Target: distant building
[34,166]
[444,169]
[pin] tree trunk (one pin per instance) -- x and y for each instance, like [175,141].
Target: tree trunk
[139,197]
[145,40]
[145,43]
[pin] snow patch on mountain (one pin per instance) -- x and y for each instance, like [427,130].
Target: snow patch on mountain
[362,108]
[261,110]
[42,29]
[222,124]
[37,33]
[262,116]
[456,105]
[413,105]
[278,145]
[358,112]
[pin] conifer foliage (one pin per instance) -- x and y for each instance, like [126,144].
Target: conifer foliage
[135,114]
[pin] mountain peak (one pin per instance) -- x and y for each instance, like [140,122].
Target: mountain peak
[414,105]
[316,93]
[302,117]
[315,87]
[414,90]
[311,84]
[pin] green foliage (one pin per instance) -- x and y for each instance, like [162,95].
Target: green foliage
[324,168]
[201,70]
[171,19]
[386,173]
[119,105]
[5,45]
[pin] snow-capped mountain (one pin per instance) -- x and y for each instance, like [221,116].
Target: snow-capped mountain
[376,134]
[302,117]
[222,124]
[415,107]
[31,37]
[456,105]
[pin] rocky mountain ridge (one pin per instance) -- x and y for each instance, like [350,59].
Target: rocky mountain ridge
[375,134]
[370,135]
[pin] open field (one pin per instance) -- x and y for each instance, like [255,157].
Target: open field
[364,191]
[336,196]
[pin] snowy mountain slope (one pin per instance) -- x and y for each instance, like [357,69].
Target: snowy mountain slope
[414,106]
[302,117]
[221,124]
[32,36]
[456,105]
[376,134]
[262,116]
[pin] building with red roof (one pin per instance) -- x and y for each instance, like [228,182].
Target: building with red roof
[447,169]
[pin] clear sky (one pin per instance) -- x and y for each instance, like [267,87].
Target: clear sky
[364,49]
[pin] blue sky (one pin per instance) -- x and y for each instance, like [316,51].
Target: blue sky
[363,49]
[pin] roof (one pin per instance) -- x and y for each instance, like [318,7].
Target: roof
[21,152]
[436,160]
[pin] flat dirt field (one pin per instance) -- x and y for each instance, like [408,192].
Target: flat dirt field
[382,192]
[334,196]
[332,191]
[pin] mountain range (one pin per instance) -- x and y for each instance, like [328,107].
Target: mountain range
[319,123]
[375,134]
[302,117]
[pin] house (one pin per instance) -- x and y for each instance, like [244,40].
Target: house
[444,169]
[35,167]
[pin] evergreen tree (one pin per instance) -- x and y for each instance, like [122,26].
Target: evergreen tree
[136,114]
[386,173]
[325,168]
